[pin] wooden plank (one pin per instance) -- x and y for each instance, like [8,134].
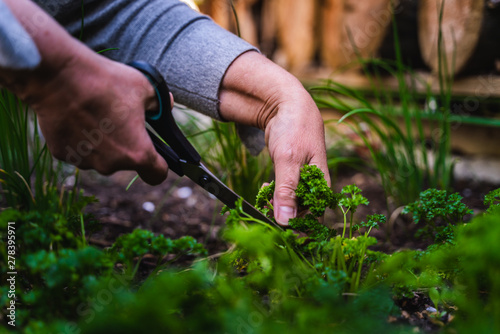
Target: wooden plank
[248,26]
[353,28]
[460,29]
[296,36]
[479,87]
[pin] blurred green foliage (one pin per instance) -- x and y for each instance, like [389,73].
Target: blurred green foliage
[269,280]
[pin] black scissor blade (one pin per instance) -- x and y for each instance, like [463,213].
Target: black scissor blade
[204,178]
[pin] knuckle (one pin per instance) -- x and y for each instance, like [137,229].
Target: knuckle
[285,190]
[140,158]
[104,169]
[287,154]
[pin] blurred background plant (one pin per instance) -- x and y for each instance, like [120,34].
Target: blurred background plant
[225,155]
[30,178]
[407,135]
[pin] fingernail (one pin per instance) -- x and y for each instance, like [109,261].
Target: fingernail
[284,214]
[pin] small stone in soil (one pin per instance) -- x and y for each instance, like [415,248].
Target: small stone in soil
[148,206]
[184,192]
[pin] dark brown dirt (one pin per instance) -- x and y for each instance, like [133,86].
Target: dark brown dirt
[161,209]
[120,211]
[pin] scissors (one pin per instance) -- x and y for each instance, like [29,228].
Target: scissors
[181,157]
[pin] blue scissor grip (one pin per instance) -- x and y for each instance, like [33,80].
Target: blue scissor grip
[162,121]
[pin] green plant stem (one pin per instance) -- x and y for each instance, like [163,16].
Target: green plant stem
[360,265]
[106,50]
[136,268]
[351,218]
[345,221]
[233,9]
[82,22]
[82,229]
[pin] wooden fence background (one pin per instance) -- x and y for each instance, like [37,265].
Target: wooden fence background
[304,35]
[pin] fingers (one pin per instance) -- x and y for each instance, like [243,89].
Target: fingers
[154,171]
[287,179]
[290,152]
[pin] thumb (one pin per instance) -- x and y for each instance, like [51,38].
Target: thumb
[155,170]
[285,201]
[155,173]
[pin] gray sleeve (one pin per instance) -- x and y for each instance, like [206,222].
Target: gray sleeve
[190,50]
[17,49]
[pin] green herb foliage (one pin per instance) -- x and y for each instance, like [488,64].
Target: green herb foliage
[30,178]
[264,198]
[460,277]
[492,200]
[349,200]
[271,280]
[130,248]
[57,271]
[437,210]
[313,192]
[372,221]
[321,249]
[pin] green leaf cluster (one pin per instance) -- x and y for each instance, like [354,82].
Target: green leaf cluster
[276,290]
[437,209]
[313,191]
[129,247]
[310,225]
[349,200]
[320,249]
[460,277]
[313,194]
[492,200]
[372,221]
[264,198]
[57,272]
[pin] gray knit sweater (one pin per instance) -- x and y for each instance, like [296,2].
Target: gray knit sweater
[190,50]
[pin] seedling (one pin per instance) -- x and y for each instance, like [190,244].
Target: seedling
[492,200]
[130,248]
[372,221]
[348,203]
[435,208]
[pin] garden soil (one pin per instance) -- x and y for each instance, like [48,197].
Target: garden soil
[178,207]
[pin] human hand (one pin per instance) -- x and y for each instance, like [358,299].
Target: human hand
[259,93]
[97,121]
[91,110]
[294,137]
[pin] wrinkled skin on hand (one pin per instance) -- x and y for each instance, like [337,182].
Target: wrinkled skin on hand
[98,120]
[257,92]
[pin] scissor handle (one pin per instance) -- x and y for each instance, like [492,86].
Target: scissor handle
[163,122]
